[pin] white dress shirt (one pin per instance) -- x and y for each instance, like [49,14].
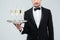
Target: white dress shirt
[37,16]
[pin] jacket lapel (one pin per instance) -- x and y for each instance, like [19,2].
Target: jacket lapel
[43,15]
[32,17]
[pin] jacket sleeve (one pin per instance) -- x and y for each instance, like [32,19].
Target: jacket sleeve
[26,27]
[50,26]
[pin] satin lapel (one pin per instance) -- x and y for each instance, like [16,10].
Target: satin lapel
[42,17]
[32,17]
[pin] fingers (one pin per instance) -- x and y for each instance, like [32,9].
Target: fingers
[18,26]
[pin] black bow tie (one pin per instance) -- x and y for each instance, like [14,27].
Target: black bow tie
[36,9]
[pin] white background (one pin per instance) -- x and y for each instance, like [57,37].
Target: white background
[9,32]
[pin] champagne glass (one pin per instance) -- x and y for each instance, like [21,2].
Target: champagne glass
[19,16]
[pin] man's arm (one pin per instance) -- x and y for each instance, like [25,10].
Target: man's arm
[50,27]
[26,25]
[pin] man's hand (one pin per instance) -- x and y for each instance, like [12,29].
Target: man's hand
[18,26]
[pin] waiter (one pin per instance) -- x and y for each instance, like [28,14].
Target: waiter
[39,24]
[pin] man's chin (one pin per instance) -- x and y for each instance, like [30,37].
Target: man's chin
[36,6]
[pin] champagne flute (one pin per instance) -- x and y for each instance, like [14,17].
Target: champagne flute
[19,16]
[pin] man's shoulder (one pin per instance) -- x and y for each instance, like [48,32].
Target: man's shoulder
[45,9]
[29,10]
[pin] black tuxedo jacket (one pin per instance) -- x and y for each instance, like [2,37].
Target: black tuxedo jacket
[45,30]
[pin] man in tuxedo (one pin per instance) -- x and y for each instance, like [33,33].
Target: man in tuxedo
[39,24]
